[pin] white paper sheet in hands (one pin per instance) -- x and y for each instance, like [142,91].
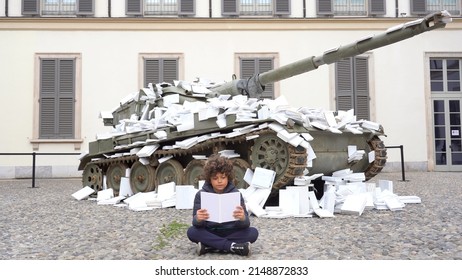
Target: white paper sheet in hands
[220,206]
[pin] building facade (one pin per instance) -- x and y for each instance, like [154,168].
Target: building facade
[62,62]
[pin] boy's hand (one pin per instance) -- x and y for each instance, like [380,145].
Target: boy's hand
[239,213]
[202,215]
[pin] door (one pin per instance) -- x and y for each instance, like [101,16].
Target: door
[447,134]
[445,80]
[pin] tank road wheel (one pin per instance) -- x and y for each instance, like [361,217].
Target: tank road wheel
[169,171]
[142,178]
[271,152]
[114,175]
[92,177]
[193,172]
[240,167]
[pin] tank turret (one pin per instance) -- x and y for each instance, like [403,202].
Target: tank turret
[163,133]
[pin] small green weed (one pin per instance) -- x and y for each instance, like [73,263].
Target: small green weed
[170,231]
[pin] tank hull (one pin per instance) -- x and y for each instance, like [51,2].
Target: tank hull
[114,157]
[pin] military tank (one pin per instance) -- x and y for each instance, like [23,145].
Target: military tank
[161,137]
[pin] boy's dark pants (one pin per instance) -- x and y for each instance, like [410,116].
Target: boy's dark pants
[222,239]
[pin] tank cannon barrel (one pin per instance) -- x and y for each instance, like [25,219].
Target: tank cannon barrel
[255,85]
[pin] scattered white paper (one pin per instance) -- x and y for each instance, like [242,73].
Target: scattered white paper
[125,189]
[83,193]
[185,196]
[263,178]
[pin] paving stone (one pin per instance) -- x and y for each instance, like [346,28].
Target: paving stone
[47,223]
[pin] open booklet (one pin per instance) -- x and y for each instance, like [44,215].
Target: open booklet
[220,206]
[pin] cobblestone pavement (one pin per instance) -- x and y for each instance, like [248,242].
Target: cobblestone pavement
[47,223]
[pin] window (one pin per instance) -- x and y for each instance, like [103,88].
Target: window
[445,75]
[58,7]
[159,68]
[422,7]
[57,91]
[249,66]
[351,7]
[160,7]
[255,7]
[352,86]
[446,96]
[57,106]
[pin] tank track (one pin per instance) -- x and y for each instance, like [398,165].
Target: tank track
[296,163]
[378,164]
[296,156]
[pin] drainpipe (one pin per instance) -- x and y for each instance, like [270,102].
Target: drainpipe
[304,8]
[6,8]
[109,8]
[396,8]
[210,8]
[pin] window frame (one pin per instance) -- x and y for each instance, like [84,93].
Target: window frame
[275,58]
[420,7]
[36,8]
[138,8]
[430,96]
[372,8]
[356,94]
[59,11]
[445,80]
[349,9]
[233,8]
[144,56]
[77,140]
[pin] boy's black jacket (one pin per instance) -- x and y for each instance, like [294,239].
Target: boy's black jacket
[207,187]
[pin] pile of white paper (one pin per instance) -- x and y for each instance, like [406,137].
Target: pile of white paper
[345,192]
[256,194]
[166,195]
[353,195]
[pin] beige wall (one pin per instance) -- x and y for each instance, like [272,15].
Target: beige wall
[110,48]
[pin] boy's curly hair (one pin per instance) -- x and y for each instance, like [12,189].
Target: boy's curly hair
[218,164]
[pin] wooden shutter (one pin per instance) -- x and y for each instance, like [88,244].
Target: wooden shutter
[352,86]
[134,7]
[229,7]
[248,67]
[66,98]
[418,7]
[252,66]
[57,91]
[170,70]
[282,7]
[160,70]
[48,89]
[187,7]
[377,7]
[30,7]
[85,7]
[151,71]
[266,64]
[324,7]
[361,86]
[344,84]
